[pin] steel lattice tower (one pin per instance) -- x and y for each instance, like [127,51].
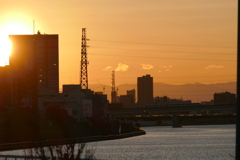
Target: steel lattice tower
[113,93]
[84,62]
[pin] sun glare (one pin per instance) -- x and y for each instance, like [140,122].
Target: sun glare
[5,50]
[8,27]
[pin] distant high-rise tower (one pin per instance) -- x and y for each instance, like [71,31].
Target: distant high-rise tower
[114,92]
[84,62]
[145,89]
[34,68]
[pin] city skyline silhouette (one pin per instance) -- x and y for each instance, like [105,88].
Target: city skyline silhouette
[52,95]
[176,43]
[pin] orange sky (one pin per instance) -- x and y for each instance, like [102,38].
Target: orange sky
[177,42]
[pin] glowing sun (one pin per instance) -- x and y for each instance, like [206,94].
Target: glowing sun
[10,26]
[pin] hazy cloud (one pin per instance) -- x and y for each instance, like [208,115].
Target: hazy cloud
[122,67]
[107,68]
[147,66]
[167,68]
[212,66]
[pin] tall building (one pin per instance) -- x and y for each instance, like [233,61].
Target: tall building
[34,68]
[145,89]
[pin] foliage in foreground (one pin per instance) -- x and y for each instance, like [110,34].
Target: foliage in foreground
[62,152]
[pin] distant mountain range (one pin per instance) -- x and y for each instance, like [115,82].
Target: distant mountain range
[196,92]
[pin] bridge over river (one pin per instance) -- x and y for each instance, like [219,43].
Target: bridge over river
[196,114]
[155,110]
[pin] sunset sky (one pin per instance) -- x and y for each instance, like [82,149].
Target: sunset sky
[176,42]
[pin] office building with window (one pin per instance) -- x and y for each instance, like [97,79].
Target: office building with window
[34,68]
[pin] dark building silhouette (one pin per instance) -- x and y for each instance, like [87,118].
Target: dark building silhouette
[128,100]
[5,87]
[167,100]
[34,68]
[132,93]
[99,105]
[32,80]
[114,96]
[145,89]
[224,98]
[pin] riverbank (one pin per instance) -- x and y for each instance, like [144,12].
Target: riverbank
[54,142]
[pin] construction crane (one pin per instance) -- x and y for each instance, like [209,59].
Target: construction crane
[102,86]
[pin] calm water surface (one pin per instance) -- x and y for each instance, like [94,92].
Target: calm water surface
[213,142]
[209,142]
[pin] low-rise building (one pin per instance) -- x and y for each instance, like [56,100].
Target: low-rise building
[127,101]
[167,100]
[224,98]
[71,99]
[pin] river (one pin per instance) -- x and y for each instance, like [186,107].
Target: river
[203,142]
[213,142]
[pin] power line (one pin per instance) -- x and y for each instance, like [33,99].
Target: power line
[202,82]
[229,75]
[165,51]
[198,76]
[165,57]
[162,44]
[184,76]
